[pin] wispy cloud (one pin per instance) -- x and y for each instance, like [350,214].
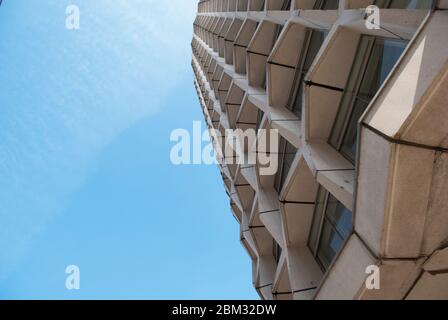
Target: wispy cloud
[67,94]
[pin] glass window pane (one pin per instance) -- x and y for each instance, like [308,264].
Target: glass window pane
[404,4]
[350,140]
[382,56]
[364,48]
[281,153]
[298,101]
[339,216]
[286,4]
[385,53]
[277,251]
[260,116]
[317,218]
[285,172]
[290,153]
[332,224]
[326,4]
[278,31]
[288,158]
[381,3]
[315,39]
[329,246]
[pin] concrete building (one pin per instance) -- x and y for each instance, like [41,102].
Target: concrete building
[361,107]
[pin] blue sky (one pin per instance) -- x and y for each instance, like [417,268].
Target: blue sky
[85,174]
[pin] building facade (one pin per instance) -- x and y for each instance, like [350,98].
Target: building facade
[358,208]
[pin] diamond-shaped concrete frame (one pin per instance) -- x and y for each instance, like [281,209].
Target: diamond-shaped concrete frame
[397,189]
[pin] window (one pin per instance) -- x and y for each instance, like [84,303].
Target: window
[373,62]
[277,34]
[257,5]
[326,4]
[287,153]
[313,42]
[404,4]
[332,224]
[278,31]
[276,251]
[260,115]
[286,5]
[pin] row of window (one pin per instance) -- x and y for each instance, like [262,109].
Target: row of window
[334,4]
[404,4]
[375,58]
[318,5]
[315,38]
[285,5]
[332,221]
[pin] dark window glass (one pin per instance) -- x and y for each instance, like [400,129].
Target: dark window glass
[374,60]
[278,31]
[260,116]
[317,219]
[277,251]
[287,153]
[332,224]
[286,5]
[404,4]
[363,50]
[326,4]
[312,44]
[339,216]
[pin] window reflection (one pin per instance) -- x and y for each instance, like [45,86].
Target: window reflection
[313,41]
[287,153]
[286,4]
[326,4]
[276,251]
[260,115]
[332,224]
[278,31]
[404,4]
[374,60]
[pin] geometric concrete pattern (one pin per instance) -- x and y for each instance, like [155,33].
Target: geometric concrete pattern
[362,114]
